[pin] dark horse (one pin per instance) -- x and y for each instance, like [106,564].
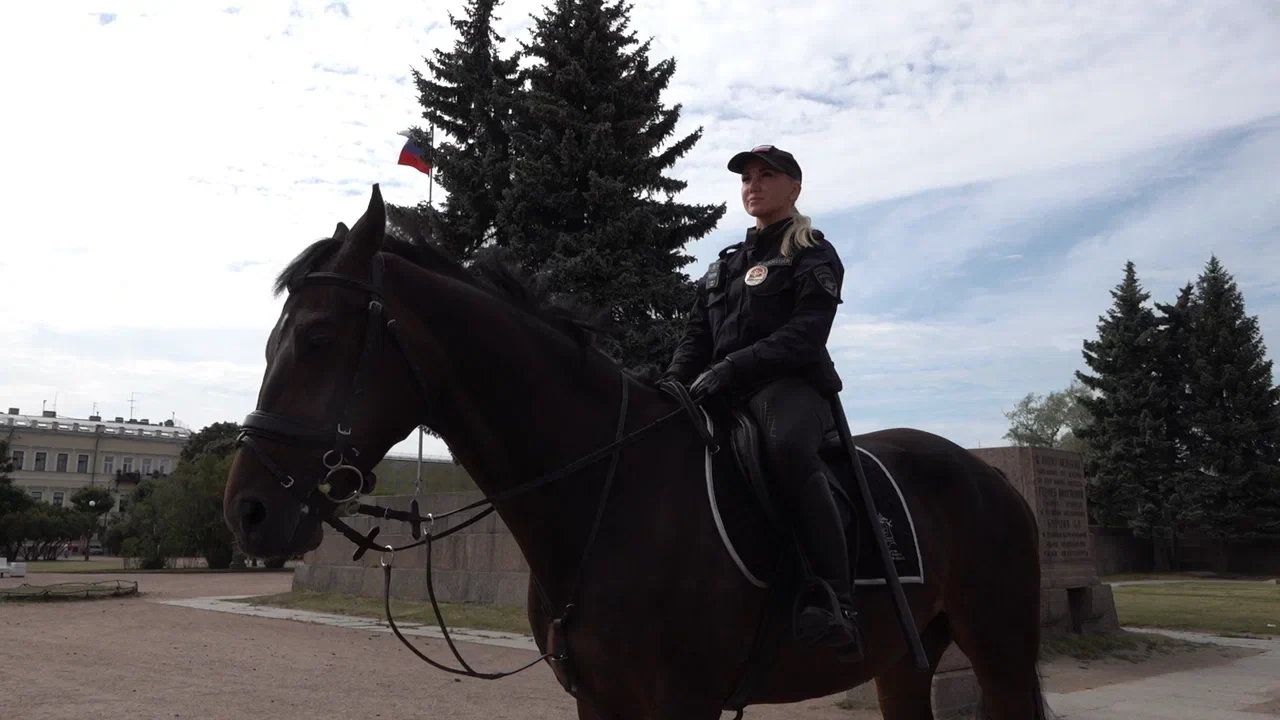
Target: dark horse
[379,336]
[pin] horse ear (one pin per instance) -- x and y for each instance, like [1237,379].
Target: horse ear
[340,232]
[370,230]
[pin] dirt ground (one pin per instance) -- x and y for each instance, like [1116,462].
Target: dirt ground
[131,658]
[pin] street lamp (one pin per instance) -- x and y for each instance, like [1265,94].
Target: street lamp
[98,523]
[87,537]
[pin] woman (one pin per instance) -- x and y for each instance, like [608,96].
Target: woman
[758,332]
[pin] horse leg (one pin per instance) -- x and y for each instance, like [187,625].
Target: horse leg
[906,693]
[1000,634]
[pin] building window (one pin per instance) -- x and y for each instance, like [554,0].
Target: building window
[127,465]
[41,459]
[82,463]
[108,464]
[164,466]
[37,495]
[62,462]
[18,457]
[146,466]
[57,498]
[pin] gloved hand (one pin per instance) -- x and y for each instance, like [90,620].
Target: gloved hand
[716,379]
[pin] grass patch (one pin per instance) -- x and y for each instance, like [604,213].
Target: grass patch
[462,615]
[68,565]
[1240,609]
[72,569]
[69,591]
[1132,577]
[1131,646]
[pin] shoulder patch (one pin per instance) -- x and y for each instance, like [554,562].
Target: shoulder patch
[827,280]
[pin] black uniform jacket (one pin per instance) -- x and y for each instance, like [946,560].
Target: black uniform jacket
[768,314]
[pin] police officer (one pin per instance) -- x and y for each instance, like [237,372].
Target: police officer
[758,332]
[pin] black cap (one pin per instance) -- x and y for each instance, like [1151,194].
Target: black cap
[780,159]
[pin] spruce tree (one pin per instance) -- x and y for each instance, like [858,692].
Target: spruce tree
[589,205]
[1233,409]
[1124,434]
[1176,511]
[468,97]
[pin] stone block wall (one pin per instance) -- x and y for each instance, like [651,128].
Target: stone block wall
[481,563]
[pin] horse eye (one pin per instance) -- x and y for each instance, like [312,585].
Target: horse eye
[320,339]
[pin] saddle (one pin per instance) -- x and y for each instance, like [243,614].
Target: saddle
[744,438]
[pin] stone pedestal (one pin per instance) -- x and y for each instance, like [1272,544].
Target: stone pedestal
[954,692]
[1073,599]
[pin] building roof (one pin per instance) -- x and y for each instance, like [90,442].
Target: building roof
[48,422]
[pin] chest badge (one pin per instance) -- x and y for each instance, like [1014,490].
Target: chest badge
[756,275]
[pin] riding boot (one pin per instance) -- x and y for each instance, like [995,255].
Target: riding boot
[832,623]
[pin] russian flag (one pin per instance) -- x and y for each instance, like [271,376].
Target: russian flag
[412,155]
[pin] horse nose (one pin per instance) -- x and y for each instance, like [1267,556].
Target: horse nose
[252,512]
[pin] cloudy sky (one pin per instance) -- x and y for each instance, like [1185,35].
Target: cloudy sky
[985,170]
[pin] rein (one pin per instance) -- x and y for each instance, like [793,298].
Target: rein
[340,454]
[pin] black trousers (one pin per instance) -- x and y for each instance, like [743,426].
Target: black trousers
[792,416]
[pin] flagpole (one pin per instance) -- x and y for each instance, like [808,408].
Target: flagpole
[431,149]
[431,184]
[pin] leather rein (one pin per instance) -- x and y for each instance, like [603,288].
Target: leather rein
[341,458]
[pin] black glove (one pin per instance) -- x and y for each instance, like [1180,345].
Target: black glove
[716,379]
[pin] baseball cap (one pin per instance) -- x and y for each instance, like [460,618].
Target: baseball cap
[777,157]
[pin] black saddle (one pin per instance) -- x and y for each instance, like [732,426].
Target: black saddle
[744,437]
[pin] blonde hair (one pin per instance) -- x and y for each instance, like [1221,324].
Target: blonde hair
[798,233]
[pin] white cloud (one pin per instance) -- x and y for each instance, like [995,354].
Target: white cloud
[161,167]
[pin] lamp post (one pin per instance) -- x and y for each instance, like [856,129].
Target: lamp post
[88,537]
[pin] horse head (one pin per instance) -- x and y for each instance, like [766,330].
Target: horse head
[513,381]
[333,397]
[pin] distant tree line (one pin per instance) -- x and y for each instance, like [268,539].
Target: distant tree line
[31,530]
[181,515]
[1179,420]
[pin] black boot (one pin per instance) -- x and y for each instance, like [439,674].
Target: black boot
[828,617]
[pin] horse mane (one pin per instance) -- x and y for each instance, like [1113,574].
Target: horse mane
[492,271]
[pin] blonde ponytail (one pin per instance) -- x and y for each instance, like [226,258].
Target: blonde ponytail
[799,232]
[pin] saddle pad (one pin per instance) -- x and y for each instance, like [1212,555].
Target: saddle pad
[896,522]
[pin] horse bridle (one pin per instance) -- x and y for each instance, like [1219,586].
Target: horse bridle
[340,453]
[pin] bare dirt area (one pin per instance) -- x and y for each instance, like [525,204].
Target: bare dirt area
[132,658]
[136,658]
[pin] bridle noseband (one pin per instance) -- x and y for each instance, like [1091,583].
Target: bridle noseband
[340,452]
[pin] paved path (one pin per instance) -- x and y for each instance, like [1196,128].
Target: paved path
[1245,689]
[228,604]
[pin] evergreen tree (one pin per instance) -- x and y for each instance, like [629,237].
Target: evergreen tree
[1233,410]
[1173,511]
[584,205]
[1124,435]
[468,97]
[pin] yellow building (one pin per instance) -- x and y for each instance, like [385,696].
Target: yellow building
[55,456]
